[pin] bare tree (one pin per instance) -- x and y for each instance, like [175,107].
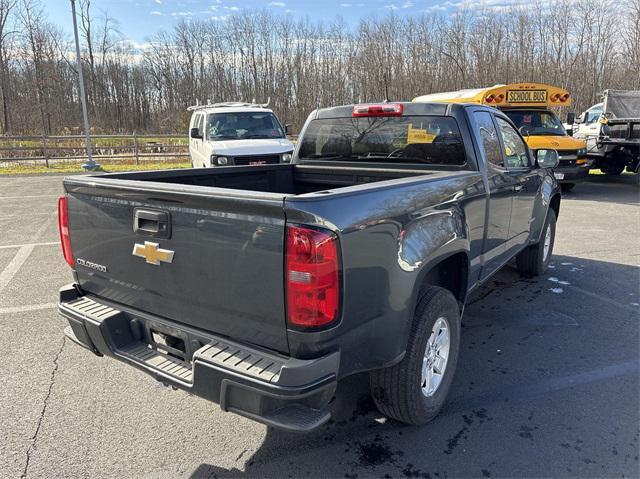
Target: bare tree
[584,46]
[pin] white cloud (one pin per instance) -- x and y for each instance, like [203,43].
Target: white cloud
[407,4]
[159,2]
[155,12]
[488,5]
[232,9]
[392,6]
[277,4]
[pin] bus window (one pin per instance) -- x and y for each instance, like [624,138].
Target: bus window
[536,122]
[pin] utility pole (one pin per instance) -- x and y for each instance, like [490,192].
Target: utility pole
[90,164]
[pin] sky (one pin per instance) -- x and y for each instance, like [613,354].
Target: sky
[138,19]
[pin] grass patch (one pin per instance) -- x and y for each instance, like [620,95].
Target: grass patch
[104,168]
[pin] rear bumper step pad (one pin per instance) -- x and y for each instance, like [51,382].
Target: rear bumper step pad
[283,392]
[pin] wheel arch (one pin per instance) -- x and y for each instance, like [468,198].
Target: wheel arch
[449,271]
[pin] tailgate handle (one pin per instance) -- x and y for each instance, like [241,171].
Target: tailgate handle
[152,223]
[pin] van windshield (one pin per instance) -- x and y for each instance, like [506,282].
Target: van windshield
[536,122]
[246,125]
[403,139]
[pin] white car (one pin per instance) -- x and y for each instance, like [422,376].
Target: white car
[226,134]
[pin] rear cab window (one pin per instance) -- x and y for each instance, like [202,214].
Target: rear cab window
[489,137]
[427,140]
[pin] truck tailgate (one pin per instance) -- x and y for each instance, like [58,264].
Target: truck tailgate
[216,265]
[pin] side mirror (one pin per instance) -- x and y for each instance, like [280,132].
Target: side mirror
[287,129]
[195,133]
[571,118]
[547,158]
[582,117]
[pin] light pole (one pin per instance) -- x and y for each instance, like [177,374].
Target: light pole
[90,164]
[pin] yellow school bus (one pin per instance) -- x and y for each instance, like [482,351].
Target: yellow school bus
[529,106]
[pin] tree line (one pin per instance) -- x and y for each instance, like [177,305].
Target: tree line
[585,46]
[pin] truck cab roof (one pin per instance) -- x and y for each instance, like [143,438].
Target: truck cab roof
[408,108]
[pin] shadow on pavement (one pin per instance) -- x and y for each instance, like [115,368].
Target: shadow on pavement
[528,359]
[621,189]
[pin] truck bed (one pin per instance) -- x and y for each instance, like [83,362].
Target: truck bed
[282,179]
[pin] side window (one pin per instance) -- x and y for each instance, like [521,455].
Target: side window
[489,137]
[515,149]
[593,115]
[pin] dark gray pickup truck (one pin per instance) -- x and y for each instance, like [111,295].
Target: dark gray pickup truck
[259,288]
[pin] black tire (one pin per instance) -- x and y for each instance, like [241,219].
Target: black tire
[531,261]
[397,390]
[567,187]
[613,170]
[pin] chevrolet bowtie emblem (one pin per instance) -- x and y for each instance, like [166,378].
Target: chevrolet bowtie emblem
[152,253]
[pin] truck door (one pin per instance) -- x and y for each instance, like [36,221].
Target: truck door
[526,184]
[589,129]
[501,186]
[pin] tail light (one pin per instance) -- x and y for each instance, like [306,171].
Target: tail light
[312,277]
[499,98]
[384,109]
[63,225]
[564,97]
[489,99]
[555,97]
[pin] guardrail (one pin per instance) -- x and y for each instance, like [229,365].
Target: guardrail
[47,149]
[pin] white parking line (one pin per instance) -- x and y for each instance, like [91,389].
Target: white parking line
[27,308]
[3,217]
[14,266]
[23,197]
[9,246]
[45,225]
[22,255]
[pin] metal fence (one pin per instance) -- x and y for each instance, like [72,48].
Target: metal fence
[56,149]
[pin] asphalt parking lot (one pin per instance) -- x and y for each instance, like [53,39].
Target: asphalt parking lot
[547,383]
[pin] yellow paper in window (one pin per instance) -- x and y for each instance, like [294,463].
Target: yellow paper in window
[507,151]
[416,135]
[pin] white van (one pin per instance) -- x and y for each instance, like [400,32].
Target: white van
[226,134]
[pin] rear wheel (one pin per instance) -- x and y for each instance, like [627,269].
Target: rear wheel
[414,390]
[534,259]
[567,187]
